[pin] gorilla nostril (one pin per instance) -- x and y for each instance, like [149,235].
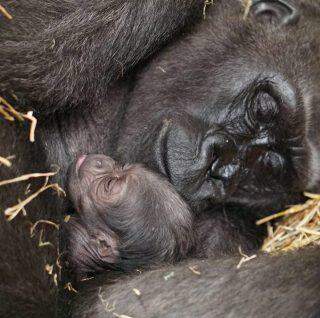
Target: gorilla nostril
[223,153]
[214,158]
[224,173]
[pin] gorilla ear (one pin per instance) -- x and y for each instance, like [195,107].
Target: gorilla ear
[105,245]
[275,11]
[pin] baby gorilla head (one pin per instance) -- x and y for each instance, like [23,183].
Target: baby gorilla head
[128,216]
[97,181]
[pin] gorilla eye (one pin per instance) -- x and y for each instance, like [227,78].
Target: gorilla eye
[266,108]
[98,163]
[263,109]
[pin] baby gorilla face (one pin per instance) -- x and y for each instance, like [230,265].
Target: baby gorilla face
[97,180]
[128,216]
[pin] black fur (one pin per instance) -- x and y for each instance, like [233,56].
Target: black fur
[92,72]
[268,286]
[64,44]
[48,52]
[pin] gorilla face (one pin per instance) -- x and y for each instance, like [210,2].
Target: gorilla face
[237,103]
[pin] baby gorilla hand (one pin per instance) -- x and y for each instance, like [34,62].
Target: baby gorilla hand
[128,217]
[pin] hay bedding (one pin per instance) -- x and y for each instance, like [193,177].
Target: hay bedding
[5,12]
[299,226]
[9,113]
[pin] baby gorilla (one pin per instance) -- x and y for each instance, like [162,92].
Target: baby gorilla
[127,217]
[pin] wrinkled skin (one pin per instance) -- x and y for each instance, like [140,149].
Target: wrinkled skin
[227,112]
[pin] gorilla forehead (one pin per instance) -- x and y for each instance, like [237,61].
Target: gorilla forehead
[207,70]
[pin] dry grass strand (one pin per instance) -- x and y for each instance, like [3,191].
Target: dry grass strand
[10,114]
[245,258]
[5,161]
[13,211]
[5,12]
[26,177]
[299,226]
[247,4]
[33,227]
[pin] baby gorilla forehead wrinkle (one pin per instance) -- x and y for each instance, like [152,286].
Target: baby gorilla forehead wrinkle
[109,189]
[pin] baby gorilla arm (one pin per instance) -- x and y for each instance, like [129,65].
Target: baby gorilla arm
[128,217]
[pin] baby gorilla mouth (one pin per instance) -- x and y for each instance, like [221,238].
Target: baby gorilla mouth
[79,162]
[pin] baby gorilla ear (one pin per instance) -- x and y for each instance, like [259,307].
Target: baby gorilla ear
[275,11]
[89,249]
[105,245]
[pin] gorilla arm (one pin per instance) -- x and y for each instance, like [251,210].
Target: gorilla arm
[71,52]
[268,286]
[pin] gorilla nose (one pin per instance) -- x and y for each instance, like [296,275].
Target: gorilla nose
[225,166]
[220,153]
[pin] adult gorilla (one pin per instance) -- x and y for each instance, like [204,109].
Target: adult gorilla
[228,113]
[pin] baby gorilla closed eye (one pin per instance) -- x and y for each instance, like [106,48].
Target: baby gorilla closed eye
[127,217]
